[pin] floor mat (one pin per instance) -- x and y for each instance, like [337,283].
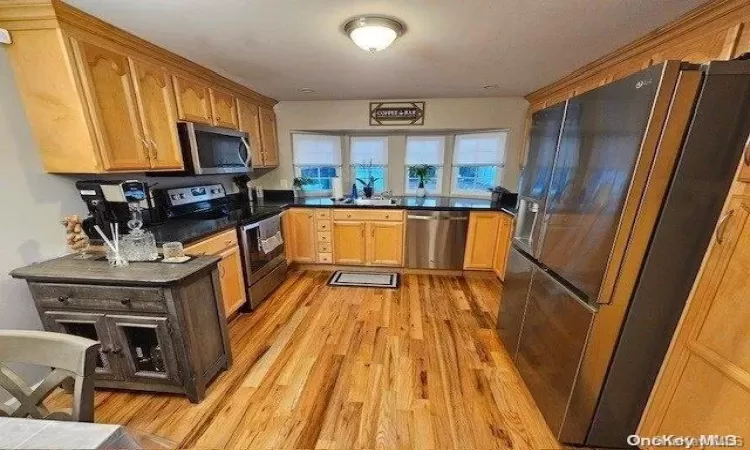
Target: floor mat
[364,279]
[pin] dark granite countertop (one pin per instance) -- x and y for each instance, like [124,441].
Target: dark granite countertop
[95,270]
[188,231]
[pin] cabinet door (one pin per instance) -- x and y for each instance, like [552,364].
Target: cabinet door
[385,245]
[232,280]
[704,381]
[745,171]
[144,345]
[502,245]
[249,121]
[480,242]
[193,100]
[89,326]
[108,85]
[269,139]
[349,243]
[301,235]
[158,112]
[224,109]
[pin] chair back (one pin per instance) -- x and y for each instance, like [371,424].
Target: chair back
[73,361]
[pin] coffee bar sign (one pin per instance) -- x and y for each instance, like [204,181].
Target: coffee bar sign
[396,113]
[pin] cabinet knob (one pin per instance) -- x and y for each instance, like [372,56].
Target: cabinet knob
[387,216]
[62,298]
[218,119]
[348,215]
[126,301]
[229,242]
[105,350]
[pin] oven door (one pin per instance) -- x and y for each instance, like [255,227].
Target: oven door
[263,247]
[215,150]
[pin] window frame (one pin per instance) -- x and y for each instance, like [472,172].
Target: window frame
[353,166]
[454,190]
[297,168]
[439,168]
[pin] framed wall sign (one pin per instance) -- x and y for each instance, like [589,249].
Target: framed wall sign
[396,113]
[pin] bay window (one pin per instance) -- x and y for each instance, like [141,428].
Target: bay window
[427,150]
[477,162]
[316,158]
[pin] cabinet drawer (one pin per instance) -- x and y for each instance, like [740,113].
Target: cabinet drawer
[325,258]
[323,225]
[89,297]
[323,214]
[368,214]
[214,244]
[324,236]
[325,247]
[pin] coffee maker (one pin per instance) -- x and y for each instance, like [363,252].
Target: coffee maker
[109,202]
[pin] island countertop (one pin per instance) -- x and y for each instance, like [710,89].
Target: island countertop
[96,270]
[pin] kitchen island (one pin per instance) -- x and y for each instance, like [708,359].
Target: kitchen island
[162,326]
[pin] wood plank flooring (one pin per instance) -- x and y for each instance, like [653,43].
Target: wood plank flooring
[355,368]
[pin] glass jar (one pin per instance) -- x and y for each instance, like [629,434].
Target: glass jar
[139,245]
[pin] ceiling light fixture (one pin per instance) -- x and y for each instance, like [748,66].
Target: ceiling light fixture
[306,90]
[373,33]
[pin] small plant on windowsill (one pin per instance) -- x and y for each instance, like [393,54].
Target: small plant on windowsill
[368,187]
[298,183]
[422,172]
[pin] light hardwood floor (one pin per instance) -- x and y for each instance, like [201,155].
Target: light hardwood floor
[354,368]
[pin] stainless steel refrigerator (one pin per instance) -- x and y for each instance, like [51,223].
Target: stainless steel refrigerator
[618,201]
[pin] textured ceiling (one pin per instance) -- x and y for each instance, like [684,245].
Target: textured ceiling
[451,48]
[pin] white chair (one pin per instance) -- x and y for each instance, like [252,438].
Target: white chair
[72,359]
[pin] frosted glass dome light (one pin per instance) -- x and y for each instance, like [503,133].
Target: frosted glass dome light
[373,33]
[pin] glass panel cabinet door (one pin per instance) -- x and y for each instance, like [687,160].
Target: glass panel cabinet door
[146,348]
[90,326]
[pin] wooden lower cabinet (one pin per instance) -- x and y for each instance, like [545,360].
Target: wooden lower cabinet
[745,170]
[385,244]
[349,242]
[299,224]
[502,246]
[481,240]
[231,275]
[704,384]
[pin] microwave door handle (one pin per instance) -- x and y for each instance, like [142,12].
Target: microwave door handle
[249,152]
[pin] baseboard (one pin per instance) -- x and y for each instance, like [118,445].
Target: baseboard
[401,270]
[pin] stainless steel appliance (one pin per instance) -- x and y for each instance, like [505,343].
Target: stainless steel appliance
[617,205]
[436,239]
[263,253]
[212,150]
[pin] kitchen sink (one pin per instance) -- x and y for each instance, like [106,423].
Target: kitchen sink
[375,201]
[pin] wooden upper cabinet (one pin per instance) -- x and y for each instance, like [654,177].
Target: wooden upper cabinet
[301,235]
[108,87]
[193,100]
[480,242]
[385,245]
[249,122]
[704,384]
[349,243]
[158,114]
[223,109]
[269,138]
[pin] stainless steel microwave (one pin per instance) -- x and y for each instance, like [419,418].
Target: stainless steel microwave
[209,150]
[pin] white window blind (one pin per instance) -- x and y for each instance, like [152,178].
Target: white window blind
[366,149]
[425,150]
[480,149]
[316,149]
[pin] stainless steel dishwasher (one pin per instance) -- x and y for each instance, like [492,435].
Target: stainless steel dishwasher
[436,239]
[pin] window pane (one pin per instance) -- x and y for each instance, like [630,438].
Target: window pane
[319,178]
[467,171]
[364,174]
[475,179]
[316,149]
[310,172]
[327,172]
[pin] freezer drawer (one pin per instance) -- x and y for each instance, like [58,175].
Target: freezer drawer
[555,329]
[513,300]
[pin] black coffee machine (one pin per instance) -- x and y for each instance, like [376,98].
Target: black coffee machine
[109,202]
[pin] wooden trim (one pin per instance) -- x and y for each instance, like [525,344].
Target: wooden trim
[706,17]
[43,14]
[401,270]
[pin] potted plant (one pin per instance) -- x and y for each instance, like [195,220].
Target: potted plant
[422,172]
[368,187]
[298,183]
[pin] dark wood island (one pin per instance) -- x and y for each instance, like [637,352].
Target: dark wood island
[162,326]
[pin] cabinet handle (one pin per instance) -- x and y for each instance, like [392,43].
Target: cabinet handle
[126,301]
[229,242]
[222,271]
[722,227]
[62,298]
[372,231]
[363,231]
[105,350]
[116,350]
[218,119]
[154,150]
[348,215]
[387,216]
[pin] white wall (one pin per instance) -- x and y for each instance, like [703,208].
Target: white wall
[445,114]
